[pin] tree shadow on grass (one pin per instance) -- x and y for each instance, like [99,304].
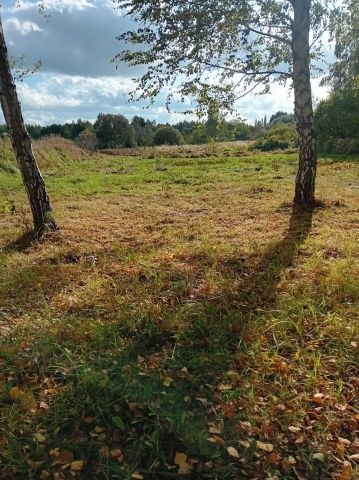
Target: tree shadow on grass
[21,244]
[124,387]
[259,290]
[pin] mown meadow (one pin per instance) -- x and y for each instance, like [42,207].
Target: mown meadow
[183,321]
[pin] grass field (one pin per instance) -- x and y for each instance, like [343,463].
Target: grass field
[183,321]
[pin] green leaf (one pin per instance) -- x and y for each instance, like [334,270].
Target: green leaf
[319,457]
[119,423]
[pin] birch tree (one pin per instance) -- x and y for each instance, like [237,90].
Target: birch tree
[221,50]
[39,200]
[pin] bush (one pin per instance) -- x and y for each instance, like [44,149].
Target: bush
[337,122]
[87,139]
[167,136]
[280,137]
[340,146]
[267,145]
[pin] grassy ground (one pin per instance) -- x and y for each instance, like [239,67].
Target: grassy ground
[183,321]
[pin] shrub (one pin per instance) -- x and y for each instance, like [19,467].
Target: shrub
[87,139]
[279,137]
[269,144]
[340,145]
[167,136]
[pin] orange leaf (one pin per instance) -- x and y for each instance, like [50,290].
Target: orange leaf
[347,472]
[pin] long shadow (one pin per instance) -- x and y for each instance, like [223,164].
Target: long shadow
[21,244]
[182,426]
[259,290]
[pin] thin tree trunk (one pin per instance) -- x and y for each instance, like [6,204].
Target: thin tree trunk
[21,142]
[305,181]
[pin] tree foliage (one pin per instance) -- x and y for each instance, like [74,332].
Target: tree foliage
[214,49]
[114,131]
[337,120]
[345,71]
[167,135]
[143,129]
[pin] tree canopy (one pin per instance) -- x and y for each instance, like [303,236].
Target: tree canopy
[345,71]
[215,49]
[114,131]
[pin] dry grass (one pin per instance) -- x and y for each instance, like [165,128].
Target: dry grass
[193,270]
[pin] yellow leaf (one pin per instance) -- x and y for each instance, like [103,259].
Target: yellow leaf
[347,472]
[184,468]
[267,447]
[99,430]
[16,393]
[77,465]
[137,476]
[167,381]
[233,452]
[39,437]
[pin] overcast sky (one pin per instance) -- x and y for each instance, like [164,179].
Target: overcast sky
[77,79]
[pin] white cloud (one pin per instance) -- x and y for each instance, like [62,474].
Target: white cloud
[38,98]
[22,27]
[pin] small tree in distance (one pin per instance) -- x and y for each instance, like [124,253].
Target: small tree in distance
[167,136]
[221,50]
[114,131]
[87,139]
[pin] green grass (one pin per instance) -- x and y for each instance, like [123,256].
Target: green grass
[182,308]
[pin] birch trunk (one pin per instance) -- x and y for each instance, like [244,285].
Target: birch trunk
[305,181]
[21,142]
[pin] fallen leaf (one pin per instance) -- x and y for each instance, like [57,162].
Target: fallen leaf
[99,429]
[319,457]
[245,443]
[344,441]
[273,458]
[181,461]
[137,476]
[64,457]
[16,393]
[77,465]
[354,457]
[233,452]
[117,454]
[39,437]
[347,472]
[89,420]
[167,381]
[217,440]
[267,447]
[215,430]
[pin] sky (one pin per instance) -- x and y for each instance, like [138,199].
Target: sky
[77,79]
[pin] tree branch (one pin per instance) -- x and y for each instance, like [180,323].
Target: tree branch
[244,72]
[270,35]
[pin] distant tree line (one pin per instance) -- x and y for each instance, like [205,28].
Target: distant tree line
[337,121]
[116,131]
